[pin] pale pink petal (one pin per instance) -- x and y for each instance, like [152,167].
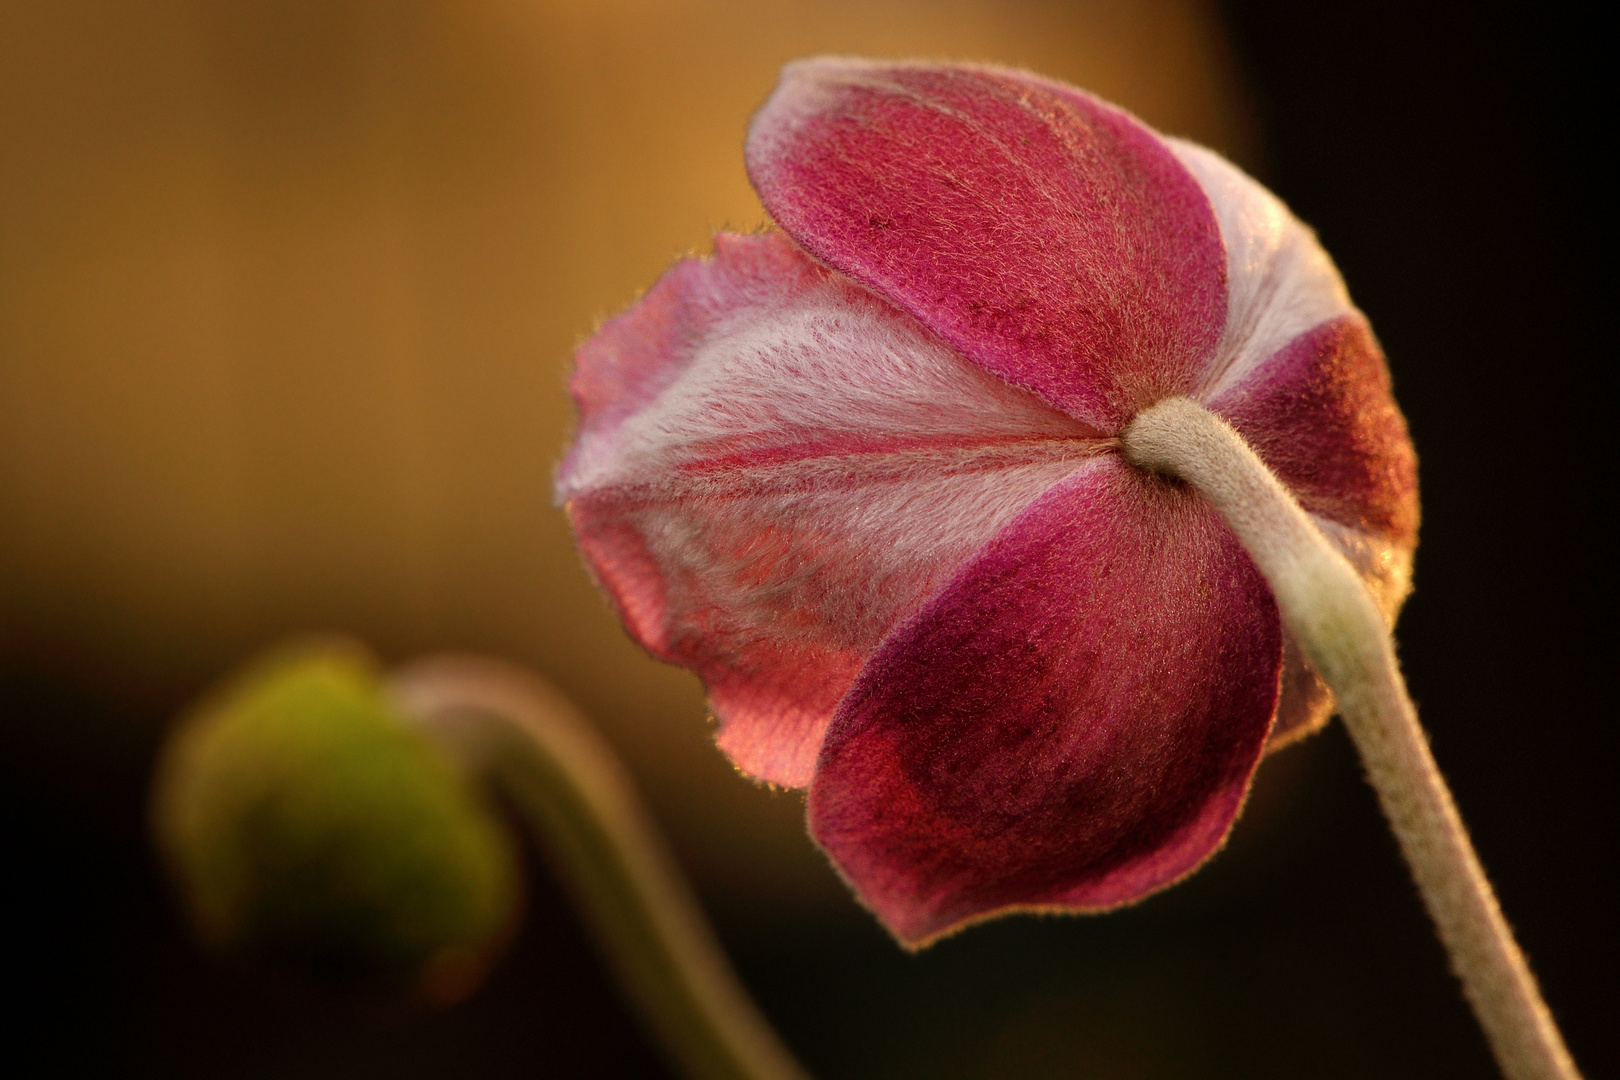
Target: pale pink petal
[1070,724]
[1050,237]
[805,466]
[1279,281]
[633,357]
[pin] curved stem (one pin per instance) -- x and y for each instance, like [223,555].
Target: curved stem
[569,787]
[1338,625]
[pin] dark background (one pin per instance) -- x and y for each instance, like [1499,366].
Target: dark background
[1443,157]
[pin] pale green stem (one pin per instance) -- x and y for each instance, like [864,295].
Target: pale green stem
[567,784]
[1332,615]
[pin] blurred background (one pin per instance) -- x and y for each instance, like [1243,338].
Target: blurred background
[288,291]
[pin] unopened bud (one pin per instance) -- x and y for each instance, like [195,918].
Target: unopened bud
[309,825]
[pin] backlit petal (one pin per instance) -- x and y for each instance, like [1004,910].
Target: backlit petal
[1071,723]
[1050,237]
[804,465]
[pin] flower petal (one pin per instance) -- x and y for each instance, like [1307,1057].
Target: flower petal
[1298,373]
[1280,283]
[633,357]
[1071,723]
[1320,413]
[1050,237]
[804,465]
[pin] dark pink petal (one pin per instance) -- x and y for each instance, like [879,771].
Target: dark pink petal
[1070,724]
[800,466]
[1320,412]
[1050,237]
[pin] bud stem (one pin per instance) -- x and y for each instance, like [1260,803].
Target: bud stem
[1338,625]
[568,786]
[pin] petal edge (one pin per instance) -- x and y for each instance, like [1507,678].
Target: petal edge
[1147,648]
[1048,236]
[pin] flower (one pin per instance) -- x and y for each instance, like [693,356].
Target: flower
[863,476]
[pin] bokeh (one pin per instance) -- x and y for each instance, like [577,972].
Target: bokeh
[288,290]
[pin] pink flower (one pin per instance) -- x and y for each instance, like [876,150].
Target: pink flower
[863,476]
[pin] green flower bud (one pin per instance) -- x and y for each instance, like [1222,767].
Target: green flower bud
[307,824]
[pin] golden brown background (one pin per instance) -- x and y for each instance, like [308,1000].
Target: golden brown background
[288,290]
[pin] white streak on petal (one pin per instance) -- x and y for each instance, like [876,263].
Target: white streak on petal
[817,468]
[1280,283]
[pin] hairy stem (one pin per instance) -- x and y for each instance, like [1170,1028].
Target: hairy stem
[568,786]
[1338,625]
